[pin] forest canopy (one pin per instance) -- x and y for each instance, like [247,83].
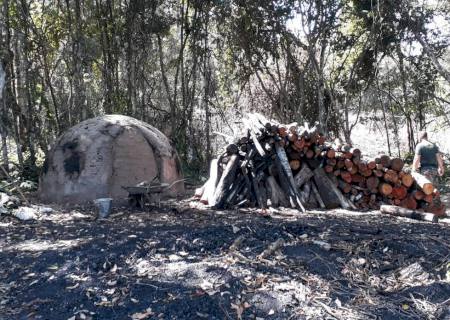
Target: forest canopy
[192,67]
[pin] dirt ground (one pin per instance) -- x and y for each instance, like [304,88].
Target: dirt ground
[182,261]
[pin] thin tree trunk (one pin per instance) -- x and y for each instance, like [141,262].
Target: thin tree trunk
[25,86]
[106,41]
[300,83]
[130,60]
[29,103]
[48,81]
[394,121]
[323,116]
[383,107]
[317,67]
[5,79]
[444,73]
[70,65]
[4,117]
[411,142]
[79,100]
[206,85]
[18,141]
[17,87]
[172,105]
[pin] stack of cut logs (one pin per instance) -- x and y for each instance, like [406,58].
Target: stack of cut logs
[294,166]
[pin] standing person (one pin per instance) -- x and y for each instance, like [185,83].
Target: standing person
[428,158]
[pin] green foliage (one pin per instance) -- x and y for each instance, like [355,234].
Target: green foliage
[408,157]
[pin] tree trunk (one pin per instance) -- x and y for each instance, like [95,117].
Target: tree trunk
[28,112]
[318,68]
[394,121]
[411,141]
[172,104]
[425,185]
[79,100]
[383,107]
[407,213]
[4,116]
[206,89]
[107,42]
[444,73]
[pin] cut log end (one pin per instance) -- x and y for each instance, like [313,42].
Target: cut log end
[385,189]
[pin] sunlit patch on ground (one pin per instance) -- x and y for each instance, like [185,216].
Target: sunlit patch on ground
[43,245]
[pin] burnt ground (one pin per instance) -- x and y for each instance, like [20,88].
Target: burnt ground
[179,262]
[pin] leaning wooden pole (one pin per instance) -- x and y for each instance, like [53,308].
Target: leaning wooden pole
[281,154]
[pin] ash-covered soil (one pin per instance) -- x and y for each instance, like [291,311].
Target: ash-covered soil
[182,261]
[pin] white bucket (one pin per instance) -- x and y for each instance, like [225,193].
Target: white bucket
[104,206]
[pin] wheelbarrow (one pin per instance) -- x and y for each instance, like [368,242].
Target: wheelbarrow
[142,193]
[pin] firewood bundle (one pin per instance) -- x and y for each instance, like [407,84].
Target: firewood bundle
[383,180]
[294,166]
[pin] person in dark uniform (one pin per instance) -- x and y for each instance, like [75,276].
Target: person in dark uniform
[428,159]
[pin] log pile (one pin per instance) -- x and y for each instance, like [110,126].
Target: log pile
[295,166]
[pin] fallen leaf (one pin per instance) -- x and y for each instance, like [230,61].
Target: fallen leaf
[361,261]
[113,269]
[111,283]
[142,315]
[202,315]
[110,291]
[323,244]
[174,257]
[29,275]
[104,302]
[76,285]
[206,285]
[34,282]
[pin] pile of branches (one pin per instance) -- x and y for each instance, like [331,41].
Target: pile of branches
[295,166]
